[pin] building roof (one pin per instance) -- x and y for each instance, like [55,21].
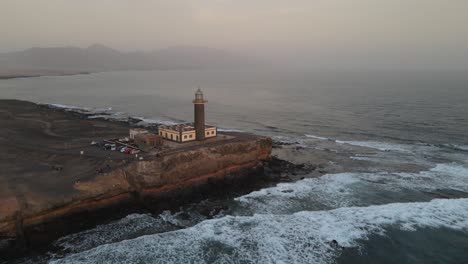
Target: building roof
[184,127]
[139,129]
[147,135]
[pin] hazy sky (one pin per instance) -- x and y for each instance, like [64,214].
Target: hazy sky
[438,27]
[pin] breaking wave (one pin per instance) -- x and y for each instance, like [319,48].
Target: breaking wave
[458,147]
[353,189]
[131,226]
[304,237]
[317,137]
[152,122]
[229,130]
[109,114]
[382,146]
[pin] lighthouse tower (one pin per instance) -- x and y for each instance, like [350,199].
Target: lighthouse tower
[199,104]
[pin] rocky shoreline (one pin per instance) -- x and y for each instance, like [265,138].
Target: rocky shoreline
[7,76]
[240,166]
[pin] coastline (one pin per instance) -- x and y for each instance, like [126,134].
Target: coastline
[99,200]
[40,209]
[35,75]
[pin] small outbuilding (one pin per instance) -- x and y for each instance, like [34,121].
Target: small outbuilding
[137,131]
[148,139]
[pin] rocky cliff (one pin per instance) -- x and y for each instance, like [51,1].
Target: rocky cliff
[138,182]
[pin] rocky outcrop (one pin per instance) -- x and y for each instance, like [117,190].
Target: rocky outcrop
[140,181]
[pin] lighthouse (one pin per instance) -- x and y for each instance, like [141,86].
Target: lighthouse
[197,130]
[199,122]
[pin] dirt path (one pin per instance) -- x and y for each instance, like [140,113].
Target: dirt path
[48,126]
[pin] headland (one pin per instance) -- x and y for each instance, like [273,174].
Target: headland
[53,181]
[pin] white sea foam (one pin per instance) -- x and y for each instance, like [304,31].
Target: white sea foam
[98,112]
[68,106]
[302,237]
[443,176]
[229,130]
[328,191]
[361,158]
[317,137]
[104,110]
[117,116]
[107,113]
[182,218]
[151,122]
[383,146]
[351,189]
[458,147]
[98,116]
[130,226]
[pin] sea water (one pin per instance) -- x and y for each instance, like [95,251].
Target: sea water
[400,197]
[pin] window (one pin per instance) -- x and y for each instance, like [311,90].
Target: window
[177,138]
[185,136]
[212,132]
[190,136]
[160,133]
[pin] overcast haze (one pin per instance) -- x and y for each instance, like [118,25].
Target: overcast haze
[422,32]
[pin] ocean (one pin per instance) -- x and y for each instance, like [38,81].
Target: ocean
[393,148]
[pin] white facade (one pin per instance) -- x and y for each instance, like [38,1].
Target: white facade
[184,132]
[136,131]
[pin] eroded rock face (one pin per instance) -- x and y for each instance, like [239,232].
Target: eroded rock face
[202,162]
[39,202]
[149,178]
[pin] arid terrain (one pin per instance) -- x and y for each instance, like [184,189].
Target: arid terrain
[50,173]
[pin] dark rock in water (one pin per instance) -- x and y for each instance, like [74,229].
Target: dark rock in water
[334,244]
[184,216]
[5,244]
[133,120]
[278,144]
[287,191]
[273,176]
[446,193]
[278,169]
[217,210]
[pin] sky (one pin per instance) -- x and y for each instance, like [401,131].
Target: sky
[429,31]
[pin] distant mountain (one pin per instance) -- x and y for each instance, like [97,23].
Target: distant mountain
[199,57]
[97,57]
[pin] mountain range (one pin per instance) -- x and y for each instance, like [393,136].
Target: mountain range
[99,58]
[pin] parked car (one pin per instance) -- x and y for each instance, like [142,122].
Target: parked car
[123,149]
[99,144]
[128,151]
[119,148]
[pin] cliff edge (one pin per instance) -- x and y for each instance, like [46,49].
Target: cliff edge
[36,198]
